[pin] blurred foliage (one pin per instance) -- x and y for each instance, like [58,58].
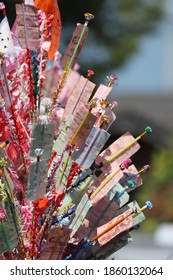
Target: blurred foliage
[113,34]
[158,187]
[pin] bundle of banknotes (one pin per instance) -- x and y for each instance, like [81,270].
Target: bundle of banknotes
[64,186]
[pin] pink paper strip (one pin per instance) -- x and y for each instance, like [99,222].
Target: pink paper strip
[122,226]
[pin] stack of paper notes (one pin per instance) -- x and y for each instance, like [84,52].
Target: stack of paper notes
[64,191]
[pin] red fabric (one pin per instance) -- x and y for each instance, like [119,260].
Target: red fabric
[12,153]
[4,129]
[4,133]
[43,204]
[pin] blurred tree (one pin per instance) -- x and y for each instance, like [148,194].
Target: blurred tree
[114,32]
[158,187]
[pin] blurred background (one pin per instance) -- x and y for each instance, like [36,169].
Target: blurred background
[133,39]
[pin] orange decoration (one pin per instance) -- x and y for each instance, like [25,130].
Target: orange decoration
[47,6]
[43,204]
[51,7]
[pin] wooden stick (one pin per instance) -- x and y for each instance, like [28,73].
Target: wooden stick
[104,183]
[111,158]
[133,214]
[56,243]
[110,227]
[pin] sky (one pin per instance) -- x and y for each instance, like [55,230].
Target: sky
[151,68]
